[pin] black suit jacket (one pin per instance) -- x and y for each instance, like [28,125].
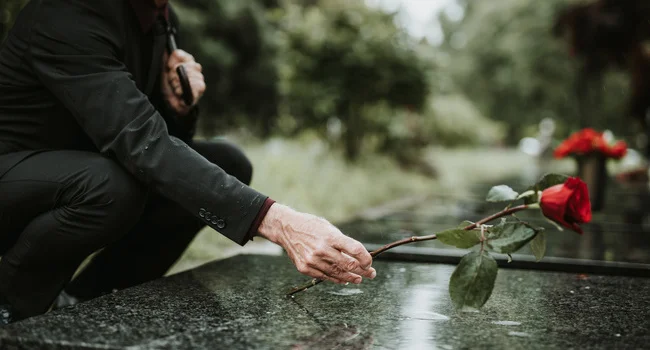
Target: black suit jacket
[72,76]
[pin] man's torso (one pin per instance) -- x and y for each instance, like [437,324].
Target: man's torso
[31,117]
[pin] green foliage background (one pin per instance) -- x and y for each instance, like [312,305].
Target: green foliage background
[349,74]
[8,11]
[503,57]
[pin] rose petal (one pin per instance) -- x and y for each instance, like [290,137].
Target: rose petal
[578,206]
[553,203]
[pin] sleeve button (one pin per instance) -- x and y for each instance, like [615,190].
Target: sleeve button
[221,223]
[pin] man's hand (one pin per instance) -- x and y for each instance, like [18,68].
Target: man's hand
[316,247]
[171,85]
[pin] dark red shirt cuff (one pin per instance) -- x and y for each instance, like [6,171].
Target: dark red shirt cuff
[258,219]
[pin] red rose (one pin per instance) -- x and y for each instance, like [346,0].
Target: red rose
[590,134]
[567,204]
[618,151]
[588,141]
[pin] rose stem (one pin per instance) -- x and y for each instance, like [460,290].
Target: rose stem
[374,253]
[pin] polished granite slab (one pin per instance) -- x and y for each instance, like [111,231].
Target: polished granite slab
[239,303]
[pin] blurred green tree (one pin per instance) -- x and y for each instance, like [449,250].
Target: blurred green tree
[338,59]
[8,11]
[504,57]
[235,43]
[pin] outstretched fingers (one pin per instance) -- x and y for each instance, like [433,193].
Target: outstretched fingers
[336,271]
[355,250]
[307,269]
[334,264]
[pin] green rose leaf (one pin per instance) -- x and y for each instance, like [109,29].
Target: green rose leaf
[460,238]
[538,245]
[495,231]
[472,282]
[501,193]
[510,237]
[550,180]
[545,182]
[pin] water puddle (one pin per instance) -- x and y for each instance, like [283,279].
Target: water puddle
[469,309]
[429,316]
[518,334]
[347,292]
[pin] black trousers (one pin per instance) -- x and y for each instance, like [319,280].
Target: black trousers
[58,207]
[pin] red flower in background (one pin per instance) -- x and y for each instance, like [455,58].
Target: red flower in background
[588,141]
[619,150]
[567,204]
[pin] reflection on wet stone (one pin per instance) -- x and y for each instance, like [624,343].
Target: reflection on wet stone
[347,291]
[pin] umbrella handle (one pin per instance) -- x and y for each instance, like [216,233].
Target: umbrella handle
[188,96]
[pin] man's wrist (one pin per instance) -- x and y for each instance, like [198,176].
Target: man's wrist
[271,225]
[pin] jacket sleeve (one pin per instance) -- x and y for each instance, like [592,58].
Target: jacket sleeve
[75,54]
[183,127]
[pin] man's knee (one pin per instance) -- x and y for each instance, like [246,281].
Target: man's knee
[228,157]
[244,170]
[108,193]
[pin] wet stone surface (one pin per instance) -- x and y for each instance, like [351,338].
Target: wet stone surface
[239,303]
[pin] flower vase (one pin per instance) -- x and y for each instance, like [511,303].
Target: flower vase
[592,169]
